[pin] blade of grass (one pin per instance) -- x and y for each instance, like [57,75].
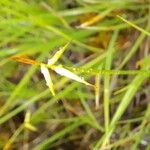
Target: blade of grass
[13,138]
[134,48]
[89,112]
[133,87]
[120,142]
[58,135]
[54,12]
[107,80]
[95,19]
[133,25]
[70,37]
[115,26]
[142,127]
[18,88]
[34,99]
[97,91]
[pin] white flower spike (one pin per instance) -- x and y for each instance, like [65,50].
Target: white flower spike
[64,72]
[49,83]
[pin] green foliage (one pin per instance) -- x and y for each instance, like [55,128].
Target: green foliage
[112,49]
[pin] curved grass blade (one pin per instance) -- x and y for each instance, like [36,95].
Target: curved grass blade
[133,25]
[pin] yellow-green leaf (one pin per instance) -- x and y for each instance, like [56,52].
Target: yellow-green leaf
[27,117]
[57,55]
[97,91]
[27,123]
[30,127]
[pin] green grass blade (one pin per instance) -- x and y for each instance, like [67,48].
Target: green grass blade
[133,25]
[133,87]
[89,112]
[107,80]
[58,135]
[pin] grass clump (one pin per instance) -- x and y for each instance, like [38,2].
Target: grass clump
[100,99]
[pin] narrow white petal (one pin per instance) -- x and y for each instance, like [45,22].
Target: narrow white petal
[46,74]
[49,83]
[64,72]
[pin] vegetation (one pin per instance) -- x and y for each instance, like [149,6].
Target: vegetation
[74,74]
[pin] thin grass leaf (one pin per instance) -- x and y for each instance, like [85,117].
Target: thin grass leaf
[133,25]
[58,135]
[133,87]
[144,63]
[17,89]
[97,91]
[30,127]
[14,112]
[95,19]
[13,138]
[71,37]
[115,26]
[120,90]
[27,123]
[134,48]
[107,79]
[89,112]
[120,142]
[36,98]
[142,129]
[55,13]
[27,117]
